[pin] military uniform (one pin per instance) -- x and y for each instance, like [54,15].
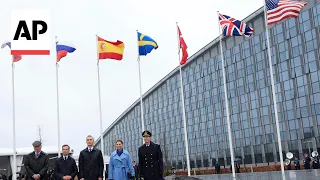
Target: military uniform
[150,160]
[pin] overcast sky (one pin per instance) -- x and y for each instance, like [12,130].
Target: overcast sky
[77,21]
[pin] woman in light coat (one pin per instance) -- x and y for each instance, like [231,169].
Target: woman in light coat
[120,165]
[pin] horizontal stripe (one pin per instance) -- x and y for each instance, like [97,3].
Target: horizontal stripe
[65,43]
[283,17]
[114,43]
[16,58]
[30,52]
[286,6]
[108,47]
[110,55]
[61,54]
[144,43]
[283,10]
[61,47]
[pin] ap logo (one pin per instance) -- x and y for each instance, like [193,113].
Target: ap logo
[30,32]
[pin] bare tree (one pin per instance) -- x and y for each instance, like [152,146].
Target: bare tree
[165,152]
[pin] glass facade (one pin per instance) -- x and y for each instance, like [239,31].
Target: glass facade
[295,55]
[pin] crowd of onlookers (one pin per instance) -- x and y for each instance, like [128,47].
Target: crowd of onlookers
[308,163]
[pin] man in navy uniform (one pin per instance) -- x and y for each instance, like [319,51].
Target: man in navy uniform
[65,167]
[150,159]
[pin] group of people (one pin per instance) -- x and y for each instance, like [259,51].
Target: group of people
[314,161]
[91,164]
[236,167]
[306,163]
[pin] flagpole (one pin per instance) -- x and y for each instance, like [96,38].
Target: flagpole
[183,107]
[226,102]
[99,91]
[58,103]
[14,164]
[141,102]
[58,108]
[273,92]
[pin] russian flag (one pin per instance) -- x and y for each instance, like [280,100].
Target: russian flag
[63,48]
[15,58]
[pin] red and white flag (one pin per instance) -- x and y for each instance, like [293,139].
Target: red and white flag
[183,47]
[279,10]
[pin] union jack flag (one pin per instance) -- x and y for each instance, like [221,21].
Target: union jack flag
[233,27]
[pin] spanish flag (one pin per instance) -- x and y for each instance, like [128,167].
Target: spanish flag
[110,50]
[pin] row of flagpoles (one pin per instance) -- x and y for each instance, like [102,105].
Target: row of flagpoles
[275,11]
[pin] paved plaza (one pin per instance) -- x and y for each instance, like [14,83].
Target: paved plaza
[274,175]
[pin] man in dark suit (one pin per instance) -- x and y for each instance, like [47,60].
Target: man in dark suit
[65,167]
[36,163]
[91,164]
[150,159]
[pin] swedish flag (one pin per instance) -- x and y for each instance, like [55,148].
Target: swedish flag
[146,44]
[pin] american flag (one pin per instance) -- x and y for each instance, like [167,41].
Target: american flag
[279,10]
[233,27]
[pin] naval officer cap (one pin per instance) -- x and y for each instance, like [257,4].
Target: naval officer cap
[36,144]
[146,134]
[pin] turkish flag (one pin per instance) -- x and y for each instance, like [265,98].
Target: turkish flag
[183,47]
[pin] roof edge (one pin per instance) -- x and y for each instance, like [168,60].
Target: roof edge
[175,70]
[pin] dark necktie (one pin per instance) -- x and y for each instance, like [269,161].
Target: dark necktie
[65,158]
[37,155]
